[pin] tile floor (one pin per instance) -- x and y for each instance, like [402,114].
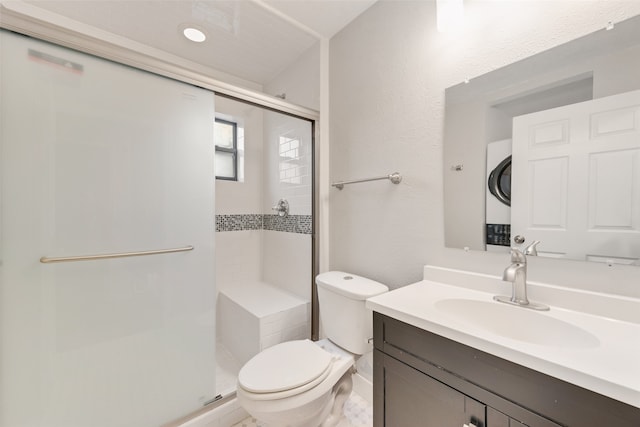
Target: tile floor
[357,413]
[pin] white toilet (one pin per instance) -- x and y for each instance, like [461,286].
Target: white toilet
[305,383]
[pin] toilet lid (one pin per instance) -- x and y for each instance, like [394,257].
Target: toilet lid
[284,366]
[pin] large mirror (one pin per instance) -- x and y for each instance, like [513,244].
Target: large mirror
[548,148]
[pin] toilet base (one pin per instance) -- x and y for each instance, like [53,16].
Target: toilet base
[324,411]
[341,393]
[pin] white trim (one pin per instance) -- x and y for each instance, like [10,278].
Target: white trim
[39,23]
[323,150]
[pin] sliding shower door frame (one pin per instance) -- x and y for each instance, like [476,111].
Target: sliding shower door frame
[35,22]
[32,21]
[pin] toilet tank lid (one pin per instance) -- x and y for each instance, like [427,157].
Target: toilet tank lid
[350,285]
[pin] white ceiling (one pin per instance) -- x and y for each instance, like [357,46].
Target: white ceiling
[325,17]
[245,37]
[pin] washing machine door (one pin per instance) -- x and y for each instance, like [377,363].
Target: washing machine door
[500,181]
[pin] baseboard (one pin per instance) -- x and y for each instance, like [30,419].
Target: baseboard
[363,387]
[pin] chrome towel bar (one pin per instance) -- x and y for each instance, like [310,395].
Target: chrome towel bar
[394,177]
[48,260]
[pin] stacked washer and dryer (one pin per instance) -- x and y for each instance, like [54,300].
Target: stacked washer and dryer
[498,197]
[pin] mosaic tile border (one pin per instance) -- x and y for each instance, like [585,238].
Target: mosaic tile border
[238,222]
[300,224]
[291,224]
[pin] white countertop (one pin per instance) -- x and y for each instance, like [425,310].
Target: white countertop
[608,362]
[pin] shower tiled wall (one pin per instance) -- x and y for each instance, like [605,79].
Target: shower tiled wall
[238,222]
[252,243]
[270,248]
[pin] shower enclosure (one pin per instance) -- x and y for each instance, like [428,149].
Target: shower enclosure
[263,235]
[108,276]
[99,158]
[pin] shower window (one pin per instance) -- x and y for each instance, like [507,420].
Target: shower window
[226,142]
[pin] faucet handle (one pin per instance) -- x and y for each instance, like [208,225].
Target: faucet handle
[518,256]
[531,249]
[282,207]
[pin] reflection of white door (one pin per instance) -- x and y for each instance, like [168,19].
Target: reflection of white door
[576,179]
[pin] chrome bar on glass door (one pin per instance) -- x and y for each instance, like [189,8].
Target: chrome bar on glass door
[48,260]
[394,177]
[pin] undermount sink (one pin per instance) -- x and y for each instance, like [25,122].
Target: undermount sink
[517,323]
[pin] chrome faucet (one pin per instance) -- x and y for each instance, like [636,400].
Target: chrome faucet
[516,273]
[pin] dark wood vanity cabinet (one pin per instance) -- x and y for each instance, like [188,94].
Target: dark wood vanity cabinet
[424,380]
[413,399]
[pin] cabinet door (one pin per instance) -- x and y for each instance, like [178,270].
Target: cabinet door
[498,419]
[413,399]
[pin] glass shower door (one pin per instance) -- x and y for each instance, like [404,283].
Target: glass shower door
[100,158]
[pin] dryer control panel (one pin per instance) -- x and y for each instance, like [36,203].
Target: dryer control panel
[498,234]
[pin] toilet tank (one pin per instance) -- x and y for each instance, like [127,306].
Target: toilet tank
[345,319]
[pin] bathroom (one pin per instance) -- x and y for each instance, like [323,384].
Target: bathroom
[379,86]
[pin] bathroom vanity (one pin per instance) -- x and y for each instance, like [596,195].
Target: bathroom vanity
[468,366]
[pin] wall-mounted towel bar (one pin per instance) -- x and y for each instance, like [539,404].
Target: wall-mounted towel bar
[394,177]
[48,260]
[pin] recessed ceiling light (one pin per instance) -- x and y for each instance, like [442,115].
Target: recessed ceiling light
[194,34]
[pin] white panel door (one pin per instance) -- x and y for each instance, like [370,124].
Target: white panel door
[102,158]
[576,179]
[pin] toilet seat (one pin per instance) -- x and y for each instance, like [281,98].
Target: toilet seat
[285,370]
[308,404]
